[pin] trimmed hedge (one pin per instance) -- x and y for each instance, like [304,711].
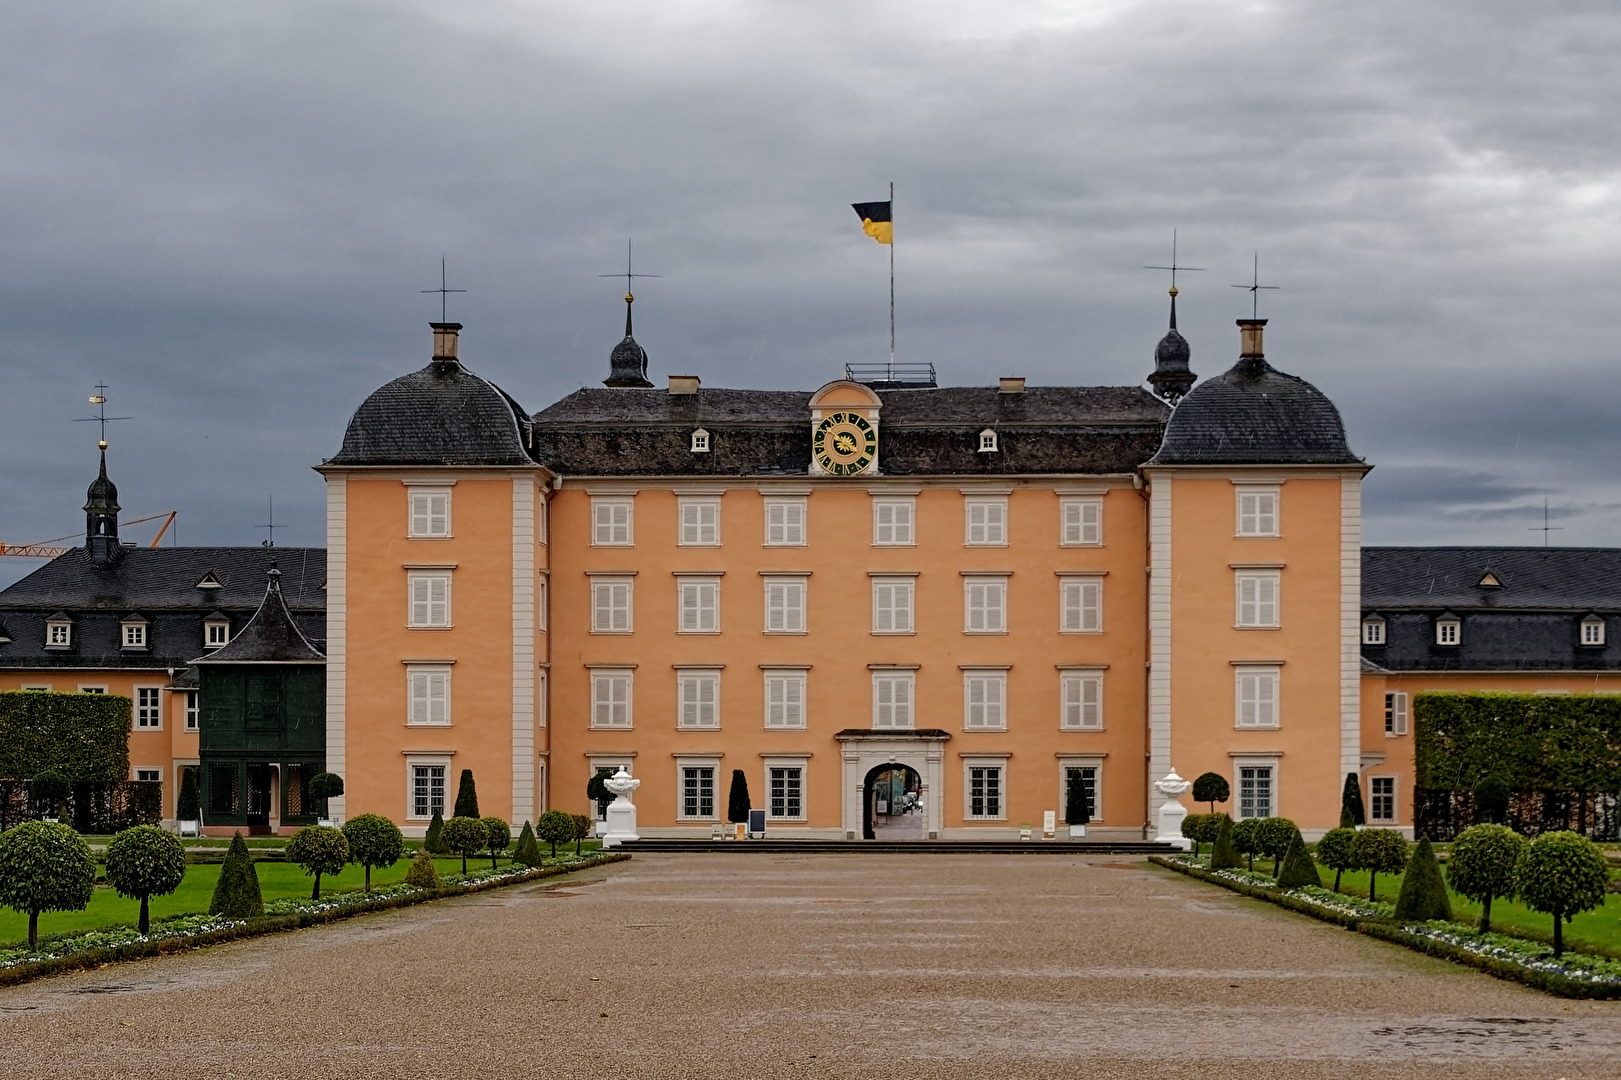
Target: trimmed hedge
[82,736]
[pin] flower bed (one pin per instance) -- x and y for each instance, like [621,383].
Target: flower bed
[96,947]
[1531,962]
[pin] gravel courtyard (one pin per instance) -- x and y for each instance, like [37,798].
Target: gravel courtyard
[910,967]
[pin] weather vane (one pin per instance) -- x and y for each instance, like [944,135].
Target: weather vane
[444,293]
[627,275]
[1255,288]
[1545,528]
[271,525]
[1173,268]
[99,400]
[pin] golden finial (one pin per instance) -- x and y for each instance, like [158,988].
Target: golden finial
[629,299]
[102,444]
[1173,291]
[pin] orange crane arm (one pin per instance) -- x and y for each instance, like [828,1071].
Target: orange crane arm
[47,549]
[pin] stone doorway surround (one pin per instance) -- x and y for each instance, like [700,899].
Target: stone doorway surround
[865,749]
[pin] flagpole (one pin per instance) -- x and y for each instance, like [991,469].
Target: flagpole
[892,281]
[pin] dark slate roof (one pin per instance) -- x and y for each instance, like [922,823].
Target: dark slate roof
[440,415]
[923,432]
[1496,641]
[270,637]
[1254,414]
[1534,578]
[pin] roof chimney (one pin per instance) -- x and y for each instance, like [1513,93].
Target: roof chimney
[1011,384]
[683,384]
[444,341]
[1249,333]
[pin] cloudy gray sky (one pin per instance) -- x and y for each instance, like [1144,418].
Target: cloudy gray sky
[225,211]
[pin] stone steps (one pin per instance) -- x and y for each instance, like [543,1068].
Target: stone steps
[900,847]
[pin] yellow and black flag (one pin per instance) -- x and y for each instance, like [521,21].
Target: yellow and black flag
[875,220]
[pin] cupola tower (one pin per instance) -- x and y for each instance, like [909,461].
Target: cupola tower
[101,516]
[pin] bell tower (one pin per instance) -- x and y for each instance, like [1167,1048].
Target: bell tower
[101,516]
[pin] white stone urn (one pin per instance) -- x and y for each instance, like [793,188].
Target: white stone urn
[621,812]
[1172,812]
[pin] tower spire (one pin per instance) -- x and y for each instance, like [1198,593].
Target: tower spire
[1172,378]
[627,364]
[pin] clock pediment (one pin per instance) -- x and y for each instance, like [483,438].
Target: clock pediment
[844,429]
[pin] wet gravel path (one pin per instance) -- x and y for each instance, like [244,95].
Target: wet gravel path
[819,966]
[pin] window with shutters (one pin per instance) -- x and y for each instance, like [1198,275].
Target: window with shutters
[428,694]
[986,521]
[892,605]
[148,708]
[1257,599]
[1256,794]
[1257,511]
[1081,521]
[610,698]
[892,700]
[611,522]
[984,695]
[1080,605]
[430,600]
[610,605]
[1396,713]
[785,699]
[700,605]
[697,792]
[1081,697]
[784,522]
[699,706]
[785,605]
[1257,693]
[430,513]
[985,605]
[892,521]
[1382,800]
[984,791]
[700,522]
[786,792]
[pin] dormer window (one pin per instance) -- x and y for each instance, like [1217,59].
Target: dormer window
[1373,630]
[209,581]
[1593,630]
[987,441]
[1448,630]
[5,636]
[1489,580]
[133,633]
[216,632]
[58,632]
[700,441]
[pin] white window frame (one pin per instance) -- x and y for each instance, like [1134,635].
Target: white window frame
[1449,631]
[426,761]
[697,699]
[1396,713]
[1080,521]
[605,698]
[900,530]
[1373,631]
[889,711]
[193,713]
[608,614]
[45,688]
[984,699]
[543,702]
[543,596]
[698,521]
[1592,630]
[700,441]
[1080,699]
[1257,599]
[697,604]
[1270,764]
[91,688]
[598,762]
[682,764]
[216,633]
[987,441]
[1375,796]
[785,599]
[428,513]
[58,634]
[427,695]
[613,521]
[1094,762]
[423,612]
[888,617]
[984,605]
[1259,689]
[786,690]
[1258,510]
[995,770]
[155,771]
[133,634]
[991,528]
[785,520]
[147,708]
[799,765]
[1080,604]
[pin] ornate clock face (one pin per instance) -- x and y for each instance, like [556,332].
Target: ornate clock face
[844,444]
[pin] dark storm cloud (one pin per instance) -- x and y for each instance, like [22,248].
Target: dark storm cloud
[226,211]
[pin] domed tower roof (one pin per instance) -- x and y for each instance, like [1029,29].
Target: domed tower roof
[1254,414]
[627,364]
[442,414]
[1172,377]
[102,495]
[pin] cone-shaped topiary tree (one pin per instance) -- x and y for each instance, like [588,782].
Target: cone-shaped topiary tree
[1223,854]
[1211,788]
[466,797]
[1298,868]
[1481,865]
[497,838]
[44,866]
[236,890]
[528,849]
[555,827]
[50,790]
[1379,851]
[1273,839]
[374,842]
[1561,874]
[1334,851]
[737,800]
[187,808]
[1247,839]
[423,874]
[319,849]
[1076,811]
[432,841]
[464,836]
[1491,801]
[582,830]
[1351,802]
[1423,894]
[143,862]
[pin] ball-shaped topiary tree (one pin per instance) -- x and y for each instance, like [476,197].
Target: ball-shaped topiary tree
[497,837]
[1211,788]
[1561,874]
[236,890]
[324,786]
[1335,851]
[319,849]
[1423,895]
[464,836]
[1379,851]
[555,827]
[1275,835]
[596,789]
[44,866]
[1193,829]
[374,842]
[51,789]
[1481,865]
[143,862]
[1247,839]
[582,831]
[1491,800]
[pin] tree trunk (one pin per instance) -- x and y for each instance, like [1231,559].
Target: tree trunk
[145,923]
[315,894]
[1373,882]
[368,877]
[1486,915]
[33,929]
[1337,872]
[464,864]
[492,860]
[1558,935]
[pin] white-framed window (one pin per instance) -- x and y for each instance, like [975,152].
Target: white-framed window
[984,700]
[1080,520]
[1593,630]
[148,708]
[1257,790]
[1257,511]
[430,599]
[543,702]
[784,522]
[1256,688]
[191,710]
[892,605]
[430,512]
[1080,695]
[699,704]
[611,522]
[785,699]
[985,521]
[428,694]
[785,605]
[611,605]
[983,791]
[1080,605]
[216,633]
[1396,713]
[92,689]
[610,698]
[1373,630]
[697,790]
[134,634]
[149,776]
[1448,630]
[785,791]
[542,525]
[611,765]
[987,441]
[45,688]
[543,597]
[700,521]
[700,441]
[1382,800]
[892,694]
[58,634]
[700,605]
[892,521]
[984,605]
[1257,598]
[425,787]
[1088,772]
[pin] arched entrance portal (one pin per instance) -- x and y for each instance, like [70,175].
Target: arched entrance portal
[894,803]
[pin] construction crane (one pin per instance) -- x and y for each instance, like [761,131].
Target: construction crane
[49,549]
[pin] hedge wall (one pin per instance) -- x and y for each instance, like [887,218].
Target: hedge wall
[83,736]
